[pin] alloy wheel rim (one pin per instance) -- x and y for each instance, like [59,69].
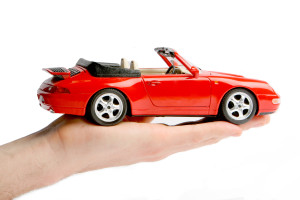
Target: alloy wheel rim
[239,106]
[108,107]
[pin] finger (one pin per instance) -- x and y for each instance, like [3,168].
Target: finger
[256,122]
[167,140]
[202,120]
[195,135]
[139,119]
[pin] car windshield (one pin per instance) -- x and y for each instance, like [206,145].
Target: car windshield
[172,58]
[175,62]
[191,64]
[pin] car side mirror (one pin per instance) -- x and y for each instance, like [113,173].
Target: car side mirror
[195,72]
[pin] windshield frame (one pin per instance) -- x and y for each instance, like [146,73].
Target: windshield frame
[168,54]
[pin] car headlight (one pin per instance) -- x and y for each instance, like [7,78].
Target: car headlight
[276,101]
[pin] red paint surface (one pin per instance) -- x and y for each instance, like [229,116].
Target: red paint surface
[170,94]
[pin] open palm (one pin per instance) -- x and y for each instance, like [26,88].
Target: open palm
[86,146]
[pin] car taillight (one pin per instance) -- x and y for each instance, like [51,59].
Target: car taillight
[56,89]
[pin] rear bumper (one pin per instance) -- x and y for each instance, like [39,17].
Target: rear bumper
[61,103]
[42,103]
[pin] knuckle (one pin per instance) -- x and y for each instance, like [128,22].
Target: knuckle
[196,138]
[266,120]
[154,158]
[213,141]
[238,132]
[152,151]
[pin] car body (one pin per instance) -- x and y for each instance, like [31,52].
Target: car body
[184,90]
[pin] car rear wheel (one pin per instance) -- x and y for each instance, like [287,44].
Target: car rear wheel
[107,107]
[238,106]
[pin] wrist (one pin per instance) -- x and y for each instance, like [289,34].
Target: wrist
[30,163]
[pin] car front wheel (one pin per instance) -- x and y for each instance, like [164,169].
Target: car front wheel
[107,107]
[238,106]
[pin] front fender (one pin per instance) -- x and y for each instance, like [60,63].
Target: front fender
[220,86]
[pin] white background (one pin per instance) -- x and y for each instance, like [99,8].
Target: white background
[258,39]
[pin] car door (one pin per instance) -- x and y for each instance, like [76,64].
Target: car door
[178,90]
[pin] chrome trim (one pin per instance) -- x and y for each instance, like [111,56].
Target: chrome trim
[110,105]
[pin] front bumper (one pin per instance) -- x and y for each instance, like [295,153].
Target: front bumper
[268,103]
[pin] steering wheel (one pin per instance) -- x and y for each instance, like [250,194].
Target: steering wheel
[172,67]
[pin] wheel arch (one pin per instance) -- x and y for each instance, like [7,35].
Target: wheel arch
[249,90]
[126,97]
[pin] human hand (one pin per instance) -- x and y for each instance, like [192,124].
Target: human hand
[72,144]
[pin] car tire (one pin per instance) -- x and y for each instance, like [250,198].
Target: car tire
[107,107]
[238,106]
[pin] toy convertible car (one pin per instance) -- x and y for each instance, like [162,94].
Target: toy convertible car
[106,92]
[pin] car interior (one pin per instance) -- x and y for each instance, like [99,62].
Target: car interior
[152,71]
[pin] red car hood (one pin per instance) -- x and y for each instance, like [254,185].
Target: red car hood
[223,74]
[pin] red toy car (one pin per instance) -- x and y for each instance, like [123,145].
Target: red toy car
[106,92]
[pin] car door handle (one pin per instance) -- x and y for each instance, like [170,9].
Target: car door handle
[153,83]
